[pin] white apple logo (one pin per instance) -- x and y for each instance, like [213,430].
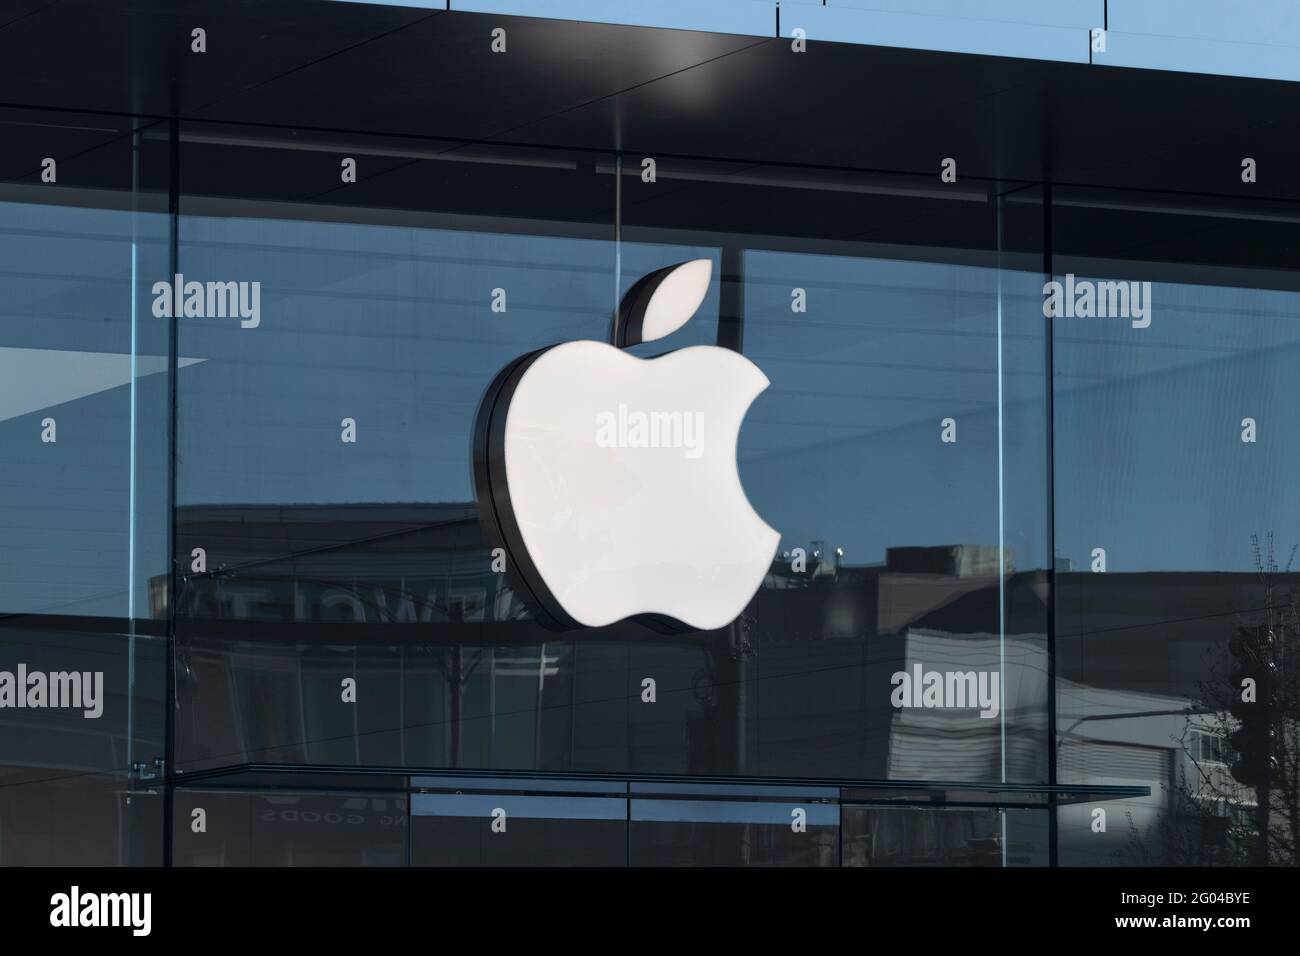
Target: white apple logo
[611,480]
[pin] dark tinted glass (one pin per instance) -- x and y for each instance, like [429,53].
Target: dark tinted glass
[517,830]
[901,451]
[365,559]
[83,366]
[84,470]
[1175,525]
[386,309]
[687,832]
[214,828]
[956,836]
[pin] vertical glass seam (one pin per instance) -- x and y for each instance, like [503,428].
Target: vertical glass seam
[1050,375]
[1002,561]
[618,232]
[173,347]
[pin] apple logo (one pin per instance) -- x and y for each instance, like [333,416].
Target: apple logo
[611,480]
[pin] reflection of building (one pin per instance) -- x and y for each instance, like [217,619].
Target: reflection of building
[361,564]
[291,581]
[454,674]
[294,581]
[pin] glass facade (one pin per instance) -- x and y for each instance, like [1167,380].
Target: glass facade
[252,512]
[84,442]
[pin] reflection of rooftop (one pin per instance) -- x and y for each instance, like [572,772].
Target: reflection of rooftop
[393,563]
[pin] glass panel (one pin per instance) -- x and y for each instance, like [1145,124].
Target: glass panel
[1176,525]
[952,836]
[325,453]
[877,836]
[213,828]
[84,478]
[339,559]
[901,450]
[517,830]
[686,832]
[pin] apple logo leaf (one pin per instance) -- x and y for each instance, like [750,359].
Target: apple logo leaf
[661,302]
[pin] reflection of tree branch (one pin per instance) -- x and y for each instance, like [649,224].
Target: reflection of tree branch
[1209,793]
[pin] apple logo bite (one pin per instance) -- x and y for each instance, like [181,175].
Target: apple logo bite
[611,480]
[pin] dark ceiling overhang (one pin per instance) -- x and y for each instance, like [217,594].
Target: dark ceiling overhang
[327,66]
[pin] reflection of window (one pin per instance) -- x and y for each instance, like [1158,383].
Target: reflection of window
[1239,814]
[1208,747]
